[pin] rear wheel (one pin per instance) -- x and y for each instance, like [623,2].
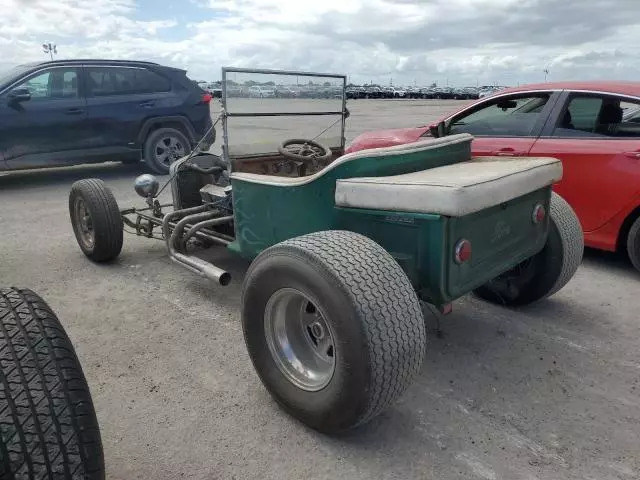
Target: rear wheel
[163,147]
[48,425]
[333,327]
[633,244]
[547,272]
[96,219]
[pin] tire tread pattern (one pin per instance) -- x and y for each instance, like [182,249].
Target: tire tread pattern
[48,426]
[572,238]
[387,306]
[633,244]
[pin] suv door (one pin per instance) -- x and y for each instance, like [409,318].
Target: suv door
[48,127]
[600,151]
[120,99]
[507,125]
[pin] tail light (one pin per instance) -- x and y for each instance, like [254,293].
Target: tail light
[462,251]
[206,98]
[539,213]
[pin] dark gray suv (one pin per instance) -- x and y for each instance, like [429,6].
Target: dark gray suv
[71,112]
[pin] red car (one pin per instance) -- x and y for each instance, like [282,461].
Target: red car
[593,127]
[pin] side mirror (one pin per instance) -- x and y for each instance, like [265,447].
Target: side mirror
[437,130]
[19,94]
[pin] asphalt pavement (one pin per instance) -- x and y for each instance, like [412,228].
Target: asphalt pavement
[551,391]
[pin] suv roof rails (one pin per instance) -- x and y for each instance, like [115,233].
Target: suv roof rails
[92,60]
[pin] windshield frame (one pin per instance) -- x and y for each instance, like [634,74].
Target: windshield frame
[229,156]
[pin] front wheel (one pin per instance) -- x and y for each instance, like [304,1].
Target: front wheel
[547,272]
[333,327]
[96,220]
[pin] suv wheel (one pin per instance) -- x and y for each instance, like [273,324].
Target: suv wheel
[163,147]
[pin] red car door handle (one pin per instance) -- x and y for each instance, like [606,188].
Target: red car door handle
[507,152]
[634,155]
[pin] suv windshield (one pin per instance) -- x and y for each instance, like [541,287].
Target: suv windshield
[7,75]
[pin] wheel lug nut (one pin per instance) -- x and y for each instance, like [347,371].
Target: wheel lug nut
[317,330]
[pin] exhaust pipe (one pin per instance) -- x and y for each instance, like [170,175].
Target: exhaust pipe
[195,264]
[201,267]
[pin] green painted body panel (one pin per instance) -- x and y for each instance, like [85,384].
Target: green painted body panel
[423,244]
[265,215]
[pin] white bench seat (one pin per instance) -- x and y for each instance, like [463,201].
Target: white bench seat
[452,190]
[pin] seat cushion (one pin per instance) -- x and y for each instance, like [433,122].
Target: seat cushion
[452,190]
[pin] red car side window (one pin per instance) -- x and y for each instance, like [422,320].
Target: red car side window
[513,116]
[599,116]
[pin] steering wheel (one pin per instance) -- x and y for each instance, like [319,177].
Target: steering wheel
[304,150]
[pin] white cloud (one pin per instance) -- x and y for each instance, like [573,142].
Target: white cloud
[459,41]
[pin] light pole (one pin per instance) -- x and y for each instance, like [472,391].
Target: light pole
[50,48]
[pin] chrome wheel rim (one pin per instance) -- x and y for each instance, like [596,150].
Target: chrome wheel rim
[169,149]
[84,223]
[300,339]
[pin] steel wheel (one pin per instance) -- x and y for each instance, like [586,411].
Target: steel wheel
[168,149]
[299,339]
[84,222]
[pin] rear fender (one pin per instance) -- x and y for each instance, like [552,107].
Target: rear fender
[182,123]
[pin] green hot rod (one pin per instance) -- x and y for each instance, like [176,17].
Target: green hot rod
[343,248]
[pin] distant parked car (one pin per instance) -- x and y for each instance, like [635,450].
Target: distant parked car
[413,92]
[373,92]
[286,92]
[355,92]
[427,93]
[69,112]
[234,91]
[393,92]
[215,90]
[260,91]
[443,93]
[593,127]
[465,93]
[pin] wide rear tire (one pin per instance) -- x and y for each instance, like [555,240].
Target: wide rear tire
[48,425]
[96,220]
[333,327]
[547,272]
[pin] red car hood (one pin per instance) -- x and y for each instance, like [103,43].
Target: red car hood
[386,138]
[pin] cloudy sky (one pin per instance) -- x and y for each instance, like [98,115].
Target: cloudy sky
[459,42]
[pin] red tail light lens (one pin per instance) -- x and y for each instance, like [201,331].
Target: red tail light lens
[206,97]
[462,251]
[539,213]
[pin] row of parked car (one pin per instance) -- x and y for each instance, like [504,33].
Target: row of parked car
[440,93]
[273,91]
[353,92]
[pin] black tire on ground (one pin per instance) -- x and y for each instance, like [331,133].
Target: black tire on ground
[48,425]
[547,272]
[372,313]
[151,148]
[633,244]
[96,219]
